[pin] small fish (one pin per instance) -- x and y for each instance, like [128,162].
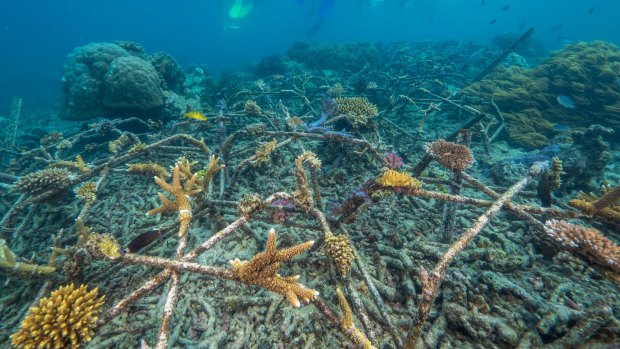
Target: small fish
[561,128]
[567,102]
[591,10]
[506,7]
[195,115]
[493,21]
[141,241]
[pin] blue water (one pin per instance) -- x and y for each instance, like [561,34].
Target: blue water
[36,36]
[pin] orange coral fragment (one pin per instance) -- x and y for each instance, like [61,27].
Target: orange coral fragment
[262,270]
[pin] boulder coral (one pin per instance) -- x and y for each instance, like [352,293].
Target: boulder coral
[132,83]
[586,72]
[100,79]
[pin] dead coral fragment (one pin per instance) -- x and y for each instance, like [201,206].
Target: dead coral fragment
[262,270]
[263,153]
[338,248]
[148,169]
[586,242]
[348,326]
[455,157]
[396,179]
[87,191]
[41,181]
[64,320]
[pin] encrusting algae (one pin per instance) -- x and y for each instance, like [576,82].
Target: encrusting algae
[64,320]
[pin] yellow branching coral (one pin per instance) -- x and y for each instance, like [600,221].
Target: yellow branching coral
[78,164]
[338,248]
[148,169]
[121,142]
[10,265]
[358,110]
[587,242]
[103,246]
[252,108]
[396,179]
[263,153]
[87,191]
[262,270]
[605,206]
[64,320]
[181,203]
[205,176]
[136,148]
[348,326]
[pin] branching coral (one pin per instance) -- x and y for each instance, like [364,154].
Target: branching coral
[452,156]
[338,248]
[181,203]
[302,194]
[148,169]
[10,265]
[64,320]
[263,153]
[78,164]
[40,181]
[604,206]
[348,326]
[262,270]
[252,108]
[585,241]
[205,176]
[358,110]
[87,191]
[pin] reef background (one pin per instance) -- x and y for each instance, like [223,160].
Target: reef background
[338,147]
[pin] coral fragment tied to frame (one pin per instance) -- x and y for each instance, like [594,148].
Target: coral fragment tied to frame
[262,270]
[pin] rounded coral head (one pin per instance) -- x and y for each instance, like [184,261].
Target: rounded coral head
[455,157]
[65,319]
[392,161]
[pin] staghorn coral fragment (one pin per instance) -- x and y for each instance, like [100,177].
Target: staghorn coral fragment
[262,270]
[78,164]
[453,156]
[586,242]
[348,326]
[181,203]
[87,191]
[65,319]
[205,176]
[604,207]
[263,153]
[10,265]
[396,179]
[148,169]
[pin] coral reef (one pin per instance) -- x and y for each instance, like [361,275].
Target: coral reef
[40,181]
[65,319]
[452,156]
[357,110]
[131,83]
[585,72]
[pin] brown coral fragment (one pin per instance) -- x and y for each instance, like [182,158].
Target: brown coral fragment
[263,153]
[87,191]
[252,108]
[348,326]
[64,320]
[41,181]
[587,242]
[338,248]
[604,206]
[148,169]
[262,270]
[78,164]
[181,203]
[453,156]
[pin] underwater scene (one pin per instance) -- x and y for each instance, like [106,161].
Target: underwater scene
[280,174]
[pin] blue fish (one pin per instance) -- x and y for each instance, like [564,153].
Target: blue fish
[567,102]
